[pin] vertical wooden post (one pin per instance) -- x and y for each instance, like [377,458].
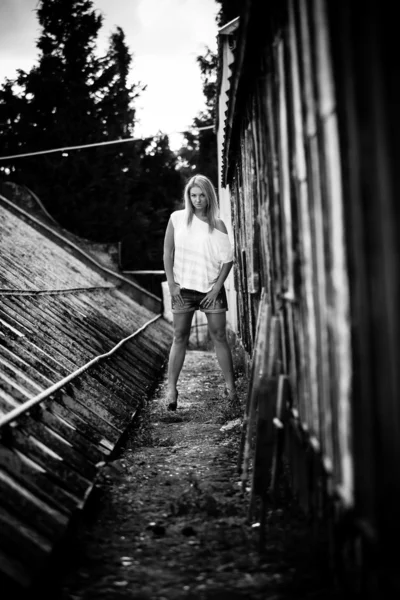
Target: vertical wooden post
[248,419]
[266,390]
[279,431]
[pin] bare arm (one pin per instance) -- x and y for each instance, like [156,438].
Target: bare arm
[220,225]
[168,257]
[226,267]
[213,293]
[169,249]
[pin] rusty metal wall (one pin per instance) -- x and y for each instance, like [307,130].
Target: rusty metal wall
[77,357]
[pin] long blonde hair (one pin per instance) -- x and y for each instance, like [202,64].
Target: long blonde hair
[212,210]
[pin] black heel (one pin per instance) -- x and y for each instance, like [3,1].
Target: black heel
[173,405]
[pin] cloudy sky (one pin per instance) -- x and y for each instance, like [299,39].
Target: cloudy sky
[164,36]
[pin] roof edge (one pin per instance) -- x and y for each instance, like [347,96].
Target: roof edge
[236,69]
[134,290]
[230,27]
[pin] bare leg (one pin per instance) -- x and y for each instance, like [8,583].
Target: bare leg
[217,329]
[182,323]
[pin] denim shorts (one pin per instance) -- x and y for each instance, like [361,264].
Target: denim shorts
[192,299]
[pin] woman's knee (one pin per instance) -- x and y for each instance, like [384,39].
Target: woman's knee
[182,325]
[218,334]
[181,336]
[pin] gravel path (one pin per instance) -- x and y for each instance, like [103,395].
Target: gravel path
[171,521]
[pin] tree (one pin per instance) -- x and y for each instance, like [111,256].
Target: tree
[74,97]
[199,152]
[116,167]
[156,193]
[115,94]
[230,9]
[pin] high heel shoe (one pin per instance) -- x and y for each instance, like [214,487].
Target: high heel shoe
[230,393]
[173,405]
[232,396]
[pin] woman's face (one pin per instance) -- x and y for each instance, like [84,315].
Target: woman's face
[198,198]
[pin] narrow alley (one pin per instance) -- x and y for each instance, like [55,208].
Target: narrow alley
[171,521]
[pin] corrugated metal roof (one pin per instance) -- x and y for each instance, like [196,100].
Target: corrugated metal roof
[59,314]
[226,35]
[239,30]
[27,206]
[256,26]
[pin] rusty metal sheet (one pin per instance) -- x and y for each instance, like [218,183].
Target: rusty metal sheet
[53,464]
[55,443]
[77,407]
[7,402]
[83,421]
[37,480]
[40,261]
[74,436]
[20,540]
[57,315]
[19,500]
[37,357]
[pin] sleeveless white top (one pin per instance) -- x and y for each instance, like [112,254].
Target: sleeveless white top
[199,254]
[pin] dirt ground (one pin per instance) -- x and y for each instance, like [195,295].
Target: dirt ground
[171,520]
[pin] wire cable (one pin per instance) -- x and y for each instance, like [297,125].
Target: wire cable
[96,144]
[55,292]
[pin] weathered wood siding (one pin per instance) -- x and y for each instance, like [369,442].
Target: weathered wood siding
[288,222]
[365,57]
[309,158]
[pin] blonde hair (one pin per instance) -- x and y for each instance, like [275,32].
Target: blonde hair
[212,210]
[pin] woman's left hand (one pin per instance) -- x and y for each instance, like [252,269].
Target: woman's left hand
[210,299]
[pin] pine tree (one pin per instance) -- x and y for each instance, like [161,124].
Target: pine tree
[157,192]
[230,9]
[74,97]
[199,152]
[116,167]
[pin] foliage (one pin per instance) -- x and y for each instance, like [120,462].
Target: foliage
[199,151]
[156,193]
[230,9]
[74,97]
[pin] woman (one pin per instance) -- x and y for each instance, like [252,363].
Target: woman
[197,259]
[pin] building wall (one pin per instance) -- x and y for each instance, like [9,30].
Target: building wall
[309,148]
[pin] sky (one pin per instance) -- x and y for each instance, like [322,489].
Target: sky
[164,37]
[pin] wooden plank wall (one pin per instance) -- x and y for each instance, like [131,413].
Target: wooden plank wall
[313,183]
[288,227]
[365,59]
